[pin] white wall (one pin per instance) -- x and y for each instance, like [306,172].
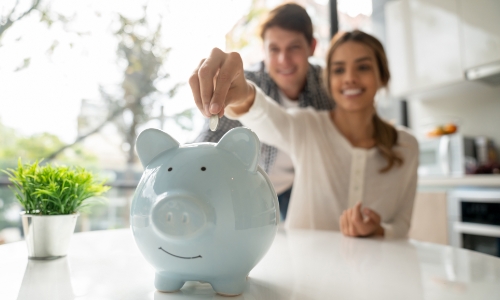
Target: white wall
[475,104]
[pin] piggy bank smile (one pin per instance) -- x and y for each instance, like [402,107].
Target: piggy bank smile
[203,212]
[199,256]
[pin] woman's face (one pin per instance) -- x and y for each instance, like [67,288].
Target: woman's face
[354,77]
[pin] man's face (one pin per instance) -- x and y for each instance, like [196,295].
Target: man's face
[286,54]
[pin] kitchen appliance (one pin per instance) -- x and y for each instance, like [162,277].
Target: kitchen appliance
[447,155]
[485,150]
[489,73]
[474,220]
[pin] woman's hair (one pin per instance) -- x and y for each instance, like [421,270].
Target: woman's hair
[385,135]
[289,16]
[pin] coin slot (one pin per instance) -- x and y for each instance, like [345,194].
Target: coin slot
[185,218]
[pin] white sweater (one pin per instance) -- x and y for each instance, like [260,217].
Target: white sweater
[330,174]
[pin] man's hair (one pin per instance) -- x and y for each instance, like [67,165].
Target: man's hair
[289,16]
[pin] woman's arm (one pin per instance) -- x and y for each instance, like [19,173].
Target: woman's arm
[271,122]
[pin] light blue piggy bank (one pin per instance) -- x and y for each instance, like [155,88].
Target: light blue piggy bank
[203,212]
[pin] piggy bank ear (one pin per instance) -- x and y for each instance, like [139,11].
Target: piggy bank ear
[152,142]
[244,144]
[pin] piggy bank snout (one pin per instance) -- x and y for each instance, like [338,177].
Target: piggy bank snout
[180,217]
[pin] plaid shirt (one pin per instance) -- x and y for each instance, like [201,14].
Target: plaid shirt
[313,95]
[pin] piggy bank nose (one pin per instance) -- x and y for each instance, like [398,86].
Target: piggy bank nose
[180,216]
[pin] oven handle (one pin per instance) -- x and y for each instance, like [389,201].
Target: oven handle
[444,154]
[477,229]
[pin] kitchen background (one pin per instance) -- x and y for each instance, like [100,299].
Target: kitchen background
[62,69]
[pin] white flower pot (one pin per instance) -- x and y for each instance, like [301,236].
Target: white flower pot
[47,237]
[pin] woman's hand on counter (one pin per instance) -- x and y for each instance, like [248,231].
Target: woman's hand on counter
[353,223]
[219,82]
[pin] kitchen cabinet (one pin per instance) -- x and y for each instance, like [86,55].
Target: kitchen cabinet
[432,44]
[430,219]
[460,211]
[423,44]
[480,29]
[399,50]
[436,42]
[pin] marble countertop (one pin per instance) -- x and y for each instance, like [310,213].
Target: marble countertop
[299,265]
[487,180]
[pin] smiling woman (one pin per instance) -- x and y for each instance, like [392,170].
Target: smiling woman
[356,69]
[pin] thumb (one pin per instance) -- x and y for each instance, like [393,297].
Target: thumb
[372,215]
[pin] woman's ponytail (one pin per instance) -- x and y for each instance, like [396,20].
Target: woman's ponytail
[386,137]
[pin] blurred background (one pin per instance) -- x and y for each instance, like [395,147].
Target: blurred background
[80,79]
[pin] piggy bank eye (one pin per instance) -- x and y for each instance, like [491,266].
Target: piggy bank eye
[170,169]
[203,168]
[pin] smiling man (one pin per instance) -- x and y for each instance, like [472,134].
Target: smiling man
[286,76]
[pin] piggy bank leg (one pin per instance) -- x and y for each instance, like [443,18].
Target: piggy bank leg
[229,287]
[167,284]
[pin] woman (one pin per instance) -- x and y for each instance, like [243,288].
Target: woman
[354,172]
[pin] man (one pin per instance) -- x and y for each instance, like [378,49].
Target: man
[286,76]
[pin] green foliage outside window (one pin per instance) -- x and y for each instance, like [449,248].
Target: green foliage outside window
[38,147]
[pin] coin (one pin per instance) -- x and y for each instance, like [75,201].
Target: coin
[214,122]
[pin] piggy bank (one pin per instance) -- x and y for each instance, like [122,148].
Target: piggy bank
[203,212]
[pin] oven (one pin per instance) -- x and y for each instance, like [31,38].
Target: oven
[474,220]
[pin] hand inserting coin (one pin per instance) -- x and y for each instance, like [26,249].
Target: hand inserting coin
[214,122]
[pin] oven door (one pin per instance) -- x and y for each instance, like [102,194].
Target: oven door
[474,220]
[481,238]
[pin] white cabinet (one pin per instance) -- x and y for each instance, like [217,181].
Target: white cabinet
[423,43]
[480,27]
[399,50]
[436,42]
[429,222]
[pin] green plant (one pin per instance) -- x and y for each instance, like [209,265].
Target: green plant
[53,190]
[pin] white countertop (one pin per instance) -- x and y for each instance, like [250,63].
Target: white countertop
[300,265]
[486,180]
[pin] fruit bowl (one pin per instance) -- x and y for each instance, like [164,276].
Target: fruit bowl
[440,128]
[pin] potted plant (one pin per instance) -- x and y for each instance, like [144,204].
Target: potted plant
[52,197]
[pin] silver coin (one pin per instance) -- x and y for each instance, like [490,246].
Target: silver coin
[214,122]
